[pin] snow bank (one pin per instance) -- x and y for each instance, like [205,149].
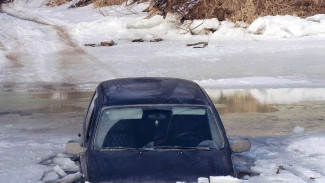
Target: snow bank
[288,26]
[288,95]
[120,22]
[274,95]
[250,82]
[108,28]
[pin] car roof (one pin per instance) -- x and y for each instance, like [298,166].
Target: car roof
[150,90]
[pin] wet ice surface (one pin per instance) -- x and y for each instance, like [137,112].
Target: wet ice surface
[36,126]
[49,52]
[34,129]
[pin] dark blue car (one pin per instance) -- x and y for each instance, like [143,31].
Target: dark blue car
[153,130]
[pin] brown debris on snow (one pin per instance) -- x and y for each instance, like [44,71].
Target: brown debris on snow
[90,44]
[156,40]
[137,40]
[53,3]
[280,168]
[104,43]
[203,44]
[107,43]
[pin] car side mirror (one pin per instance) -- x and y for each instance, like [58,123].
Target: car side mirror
[74,148]
[240,145]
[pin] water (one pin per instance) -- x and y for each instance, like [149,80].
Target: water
[244,112]
[40,123]
[270,112]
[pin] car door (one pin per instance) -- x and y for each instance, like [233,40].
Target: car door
[86,133]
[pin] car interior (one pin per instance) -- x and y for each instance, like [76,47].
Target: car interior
[160,128]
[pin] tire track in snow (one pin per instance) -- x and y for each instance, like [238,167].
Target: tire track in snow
[12,50]
[24,66]
[11,56]
[84,66]
[64,36]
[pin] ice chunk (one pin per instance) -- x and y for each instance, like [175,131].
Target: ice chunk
[146,23]
[66,164]
[59,170]
[298,130]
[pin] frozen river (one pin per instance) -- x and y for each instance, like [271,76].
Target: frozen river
[47,75]
[36,126]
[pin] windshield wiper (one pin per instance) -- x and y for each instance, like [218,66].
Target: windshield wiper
[182,148]
[156,148]
[127,149]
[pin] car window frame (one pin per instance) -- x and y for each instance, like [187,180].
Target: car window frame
[137,105]
[89,117]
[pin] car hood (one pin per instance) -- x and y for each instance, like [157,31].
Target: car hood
[158,166]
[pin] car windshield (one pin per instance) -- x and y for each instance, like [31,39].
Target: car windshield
[162,127]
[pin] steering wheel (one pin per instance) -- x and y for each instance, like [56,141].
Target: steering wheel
[188,139]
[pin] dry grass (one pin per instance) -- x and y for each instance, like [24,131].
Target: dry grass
[57,2]
[234,10]
[102,3]
[81,3]
[239,10]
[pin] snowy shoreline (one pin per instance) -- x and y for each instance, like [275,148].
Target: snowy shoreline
[277,63]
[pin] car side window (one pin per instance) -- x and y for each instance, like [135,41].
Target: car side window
[89,116]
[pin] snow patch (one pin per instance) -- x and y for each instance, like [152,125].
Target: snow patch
[225,179]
